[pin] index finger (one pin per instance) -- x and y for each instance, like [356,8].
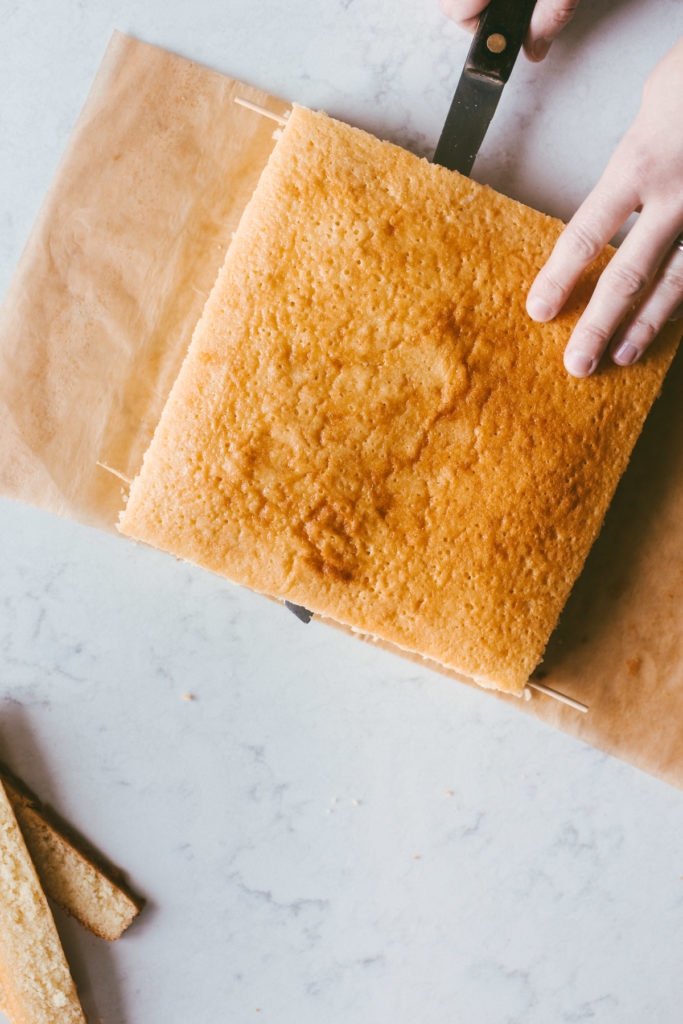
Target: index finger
[547,21]
[596,221]
[465,12]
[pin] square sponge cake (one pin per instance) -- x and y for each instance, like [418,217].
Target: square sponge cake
[368,424]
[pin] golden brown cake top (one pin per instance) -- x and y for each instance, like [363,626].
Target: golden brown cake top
[367,422]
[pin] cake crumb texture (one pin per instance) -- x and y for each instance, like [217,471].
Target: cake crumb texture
[35,981]
[69,872]
[368,424]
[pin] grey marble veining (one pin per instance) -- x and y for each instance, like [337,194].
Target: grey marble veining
[325,832]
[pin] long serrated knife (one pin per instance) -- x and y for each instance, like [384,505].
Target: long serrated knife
[497,41]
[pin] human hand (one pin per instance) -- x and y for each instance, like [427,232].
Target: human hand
[547,21]
[645,174]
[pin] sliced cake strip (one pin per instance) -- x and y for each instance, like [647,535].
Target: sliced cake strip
[72,874]
[35,977]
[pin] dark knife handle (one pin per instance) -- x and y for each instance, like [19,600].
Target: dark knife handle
[499,37]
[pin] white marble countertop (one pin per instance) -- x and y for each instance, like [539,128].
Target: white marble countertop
[326,833]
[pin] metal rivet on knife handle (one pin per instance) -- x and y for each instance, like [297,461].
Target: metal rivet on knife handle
[496,43]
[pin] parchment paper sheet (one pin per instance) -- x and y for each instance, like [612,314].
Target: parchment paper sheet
[114,277]
[98,318]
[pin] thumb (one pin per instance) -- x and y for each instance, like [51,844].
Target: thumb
[547,21]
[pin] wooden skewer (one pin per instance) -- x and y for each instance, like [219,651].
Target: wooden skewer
[261,110]
[556,695]
[121,476]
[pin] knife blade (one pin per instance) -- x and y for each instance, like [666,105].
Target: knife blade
[491,57]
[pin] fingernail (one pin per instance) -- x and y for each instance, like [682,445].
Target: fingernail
[579,364]
[540,48]
[538,309]
[625,354]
